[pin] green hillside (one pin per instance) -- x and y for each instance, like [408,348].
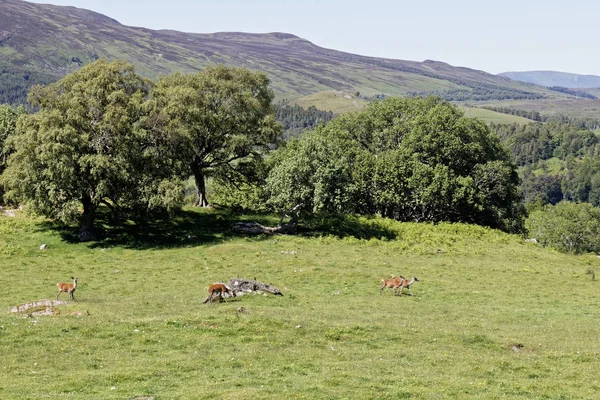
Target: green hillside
[491,317]
[493,116]
[43,42]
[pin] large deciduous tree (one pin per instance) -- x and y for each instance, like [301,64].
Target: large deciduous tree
[220,120]
[408,159]
[88,145]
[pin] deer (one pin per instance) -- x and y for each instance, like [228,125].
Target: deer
[406,284]
[68,288]
[218,289]
[394,283]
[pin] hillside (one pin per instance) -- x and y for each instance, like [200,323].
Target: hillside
[554,78]
[41,43]
[486,320]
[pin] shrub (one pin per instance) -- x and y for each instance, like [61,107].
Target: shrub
[567,227]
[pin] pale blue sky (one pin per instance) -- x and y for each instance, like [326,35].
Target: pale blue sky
[498,36]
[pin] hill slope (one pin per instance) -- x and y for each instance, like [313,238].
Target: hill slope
[485,321]
[40,43]
[553,78]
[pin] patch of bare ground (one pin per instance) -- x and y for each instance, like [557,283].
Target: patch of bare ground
[40,307]
[519,348]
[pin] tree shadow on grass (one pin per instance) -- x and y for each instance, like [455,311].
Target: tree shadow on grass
[343,226]
[181,229]
[193,227]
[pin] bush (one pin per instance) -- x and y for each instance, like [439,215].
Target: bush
[567,227]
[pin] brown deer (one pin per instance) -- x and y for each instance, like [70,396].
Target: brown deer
[218,289]
[406,284]
[67,287]
[394,283]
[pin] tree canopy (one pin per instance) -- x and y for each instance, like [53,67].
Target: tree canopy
[87,145]
[219,119]
[8,125]
[568,227]
[409,159]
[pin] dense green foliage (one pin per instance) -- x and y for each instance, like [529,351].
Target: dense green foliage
[103,135]
[87,146]
[481,92]
[575,180]
[296,119]
[15,82]
[220,120]
[408,159]
[533,142]
[559,161]
[8,125]
[570,227]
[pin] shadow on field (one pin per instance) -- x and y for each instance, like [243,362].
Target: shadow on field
[347,226]
[193,227]
[183,228]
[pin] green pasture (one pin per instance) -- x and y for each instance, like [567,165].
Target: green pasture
[492,317]
[493,116]
[332,100]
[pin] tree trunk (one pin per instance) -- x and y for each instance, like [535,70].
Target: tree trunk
[201,200]
[86,226]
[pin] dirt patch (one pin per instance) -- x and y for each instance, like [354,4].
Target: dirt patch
[519,348]
[40,307]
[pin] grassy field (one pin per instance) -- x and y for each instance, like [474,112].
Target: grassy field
[335,101]
[492,317]
[493,116]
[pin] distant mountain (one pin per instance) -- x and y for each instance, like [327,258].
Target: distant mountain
[554,78]
[40,43]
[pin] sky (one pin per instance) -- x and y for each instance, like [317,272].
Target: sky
[495,37]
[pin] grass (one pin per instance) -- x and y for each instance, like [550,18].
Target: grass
[492,317]
[332,100]
[493,116]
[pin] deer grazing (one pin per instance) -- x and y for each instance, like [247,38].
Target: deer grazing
[218,289]
[67,287]
[406,284]
[394,283]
